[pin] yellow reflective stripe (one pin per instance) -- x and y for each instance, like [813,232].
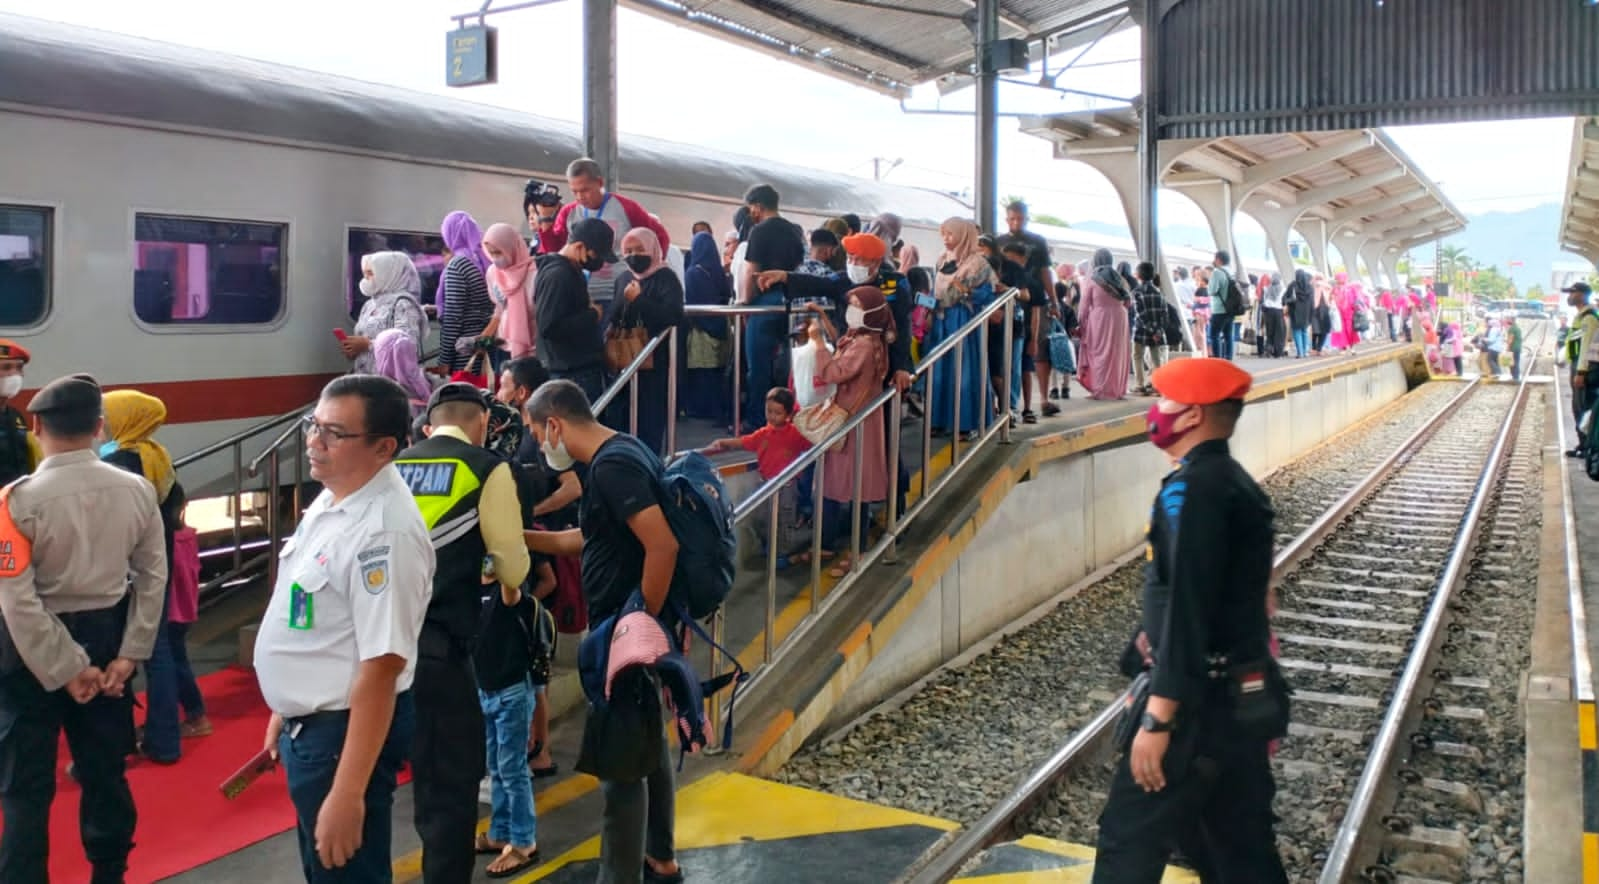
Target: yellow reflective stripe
[435,506]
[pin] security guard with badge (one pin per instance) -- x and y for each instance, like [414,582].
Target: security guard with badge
[71,537]
[19,449]
[468,499]
[337,651]
[1207,697]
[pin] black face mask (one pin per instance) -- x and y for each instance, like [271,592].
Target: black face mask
[593,262]
[637,263]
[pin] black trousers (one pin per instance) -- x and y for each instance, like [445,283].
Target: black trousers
[1216,808]
[447,762]
[1274,330]
[99,736]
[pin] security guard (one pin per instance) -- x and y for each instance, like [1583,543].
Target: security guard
[1195,775]
[70,537]
[19,449]
[337,649]
[468,499]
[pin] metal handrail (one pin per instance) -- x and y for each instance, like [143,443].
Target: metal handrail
[293,429]
[627,374]
[739,314]
[238,438]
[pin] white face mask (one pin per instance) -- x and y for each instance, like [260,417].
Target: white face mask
[858,273]
[368,289]
[854,317]
[556,455]
[10,385]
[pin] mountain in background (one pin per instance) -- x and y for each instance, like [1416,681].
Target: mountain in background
[1491,238]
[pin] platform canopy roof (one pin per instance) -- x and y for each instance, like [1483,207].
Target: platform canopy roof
[886,45]
[1579,220]
[1356,180]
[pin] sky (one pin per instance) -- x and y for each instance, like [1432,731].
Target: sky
[685,86]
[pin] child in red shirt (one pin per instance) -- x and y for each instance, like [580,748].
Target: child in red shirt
[776,445]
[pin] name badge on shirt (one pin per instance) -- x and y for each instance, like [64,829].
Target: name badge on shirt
[302,608]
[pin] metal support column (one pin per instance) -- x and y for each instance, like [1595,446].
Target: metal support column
[987,184]
[1149,131]
[599,87]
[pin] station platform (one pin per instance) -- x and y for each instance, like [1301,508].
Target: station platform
[855,656]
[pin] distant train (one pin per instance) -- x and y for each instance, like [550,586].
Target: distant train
[191,223]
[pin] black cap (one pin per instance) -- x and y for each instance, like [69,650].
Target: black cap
[457,391]
[596,236]
[1579,287]
[77,392]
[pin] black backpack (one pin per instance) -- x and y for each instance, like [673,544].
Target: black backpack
[1237,299]
[1173,326]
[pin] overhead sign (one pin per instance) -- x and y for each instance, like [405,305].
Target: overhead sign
[470,56]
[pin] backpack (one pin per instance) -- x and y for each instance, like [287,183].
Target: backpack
[1237,299]
[700,512]
[1173,326]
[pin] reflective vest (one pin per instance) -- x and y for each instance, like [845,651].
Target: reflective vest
[446,477]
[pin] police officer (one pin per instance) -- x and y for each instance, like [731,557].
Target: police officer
[468,500]
[1196,774]
[19,449]
[337,649]
[70,537]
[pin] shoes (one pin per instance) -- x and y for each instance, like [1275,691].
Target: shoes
[1576,452]
[1054,392]
[1051,409]
[1028,417]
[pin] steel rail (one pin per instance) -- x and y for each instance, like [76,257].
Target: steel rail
[1354,845]
[945,859]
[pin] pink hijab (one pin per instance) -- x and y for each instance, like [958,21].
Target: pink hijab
[909,256]
[515,284]
[645,237]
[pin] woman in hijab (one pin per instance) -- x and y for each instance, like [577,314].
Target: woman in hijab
[131,419]
[963,286]
[1105,357]
[857,368]
[705,283]
[464,306]
[391,285]
[511,288]
[395,354]
[1321,315]
[1343,334]
[648,296]
[1300,302]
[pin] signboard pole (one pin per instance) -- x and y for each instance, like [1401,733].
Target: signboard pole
[599,87]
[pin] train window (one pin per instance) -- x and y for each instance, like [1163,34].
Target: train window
[24,265]
[426,250]
[198,271]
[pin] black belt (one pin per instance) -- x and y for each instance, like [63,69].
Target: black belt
[293,725]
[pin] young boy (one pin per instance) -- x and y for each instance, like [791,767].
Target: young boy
[507,653]
[777,445]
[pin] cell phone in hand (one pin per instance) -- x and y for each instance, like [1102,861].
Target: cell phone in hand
[339,333]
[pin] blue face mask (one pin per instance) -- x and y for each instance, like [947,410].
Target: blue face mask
[109,448]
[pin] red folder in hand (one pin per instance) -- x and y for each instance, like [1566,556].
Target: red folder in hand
[244,776]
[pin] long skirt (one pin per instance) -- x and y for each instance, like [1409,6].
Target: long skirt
[976,406]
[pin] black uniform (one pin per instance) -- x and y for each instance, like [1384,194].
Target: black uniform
[1210,549]
[18,456]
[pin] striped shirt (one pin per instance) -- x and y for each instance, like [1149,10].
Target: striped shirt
[467,310]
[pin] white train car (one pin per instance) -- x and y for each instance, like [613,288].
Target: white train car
[189,222]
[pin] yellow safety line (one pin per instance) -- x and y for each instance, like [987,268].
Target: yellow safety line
[1587,732]
[409,867]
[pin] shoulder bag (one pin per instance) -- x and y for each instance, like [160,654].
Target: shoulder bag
[817,422]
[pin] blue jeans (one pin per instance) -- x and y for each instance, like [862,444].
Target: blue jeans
[309,749]
[507,715]
[1301,341]
[763,336]
[171,685]
[1221,335]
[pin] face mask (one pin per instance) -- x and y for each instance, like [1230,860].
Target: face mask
[10,385]
[859,273]
[637,263]
[501,262]
[854,317]
[593,262]
[108,449]
[367,288]
[556,455]
[1163,430]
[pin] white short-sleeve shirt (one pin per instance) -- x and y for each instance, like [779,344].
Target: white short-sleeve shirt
[353,584]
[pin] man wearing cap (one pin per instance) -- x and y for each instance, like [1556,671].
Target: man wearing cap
[568,321]
[1581,352]
[19,449]
[337,651]
[83,580]
[468,500]
[1195,774]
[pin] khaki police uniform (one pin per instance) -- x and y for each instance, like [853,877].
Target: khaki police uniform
[71,536]
[352,585]
[468,499]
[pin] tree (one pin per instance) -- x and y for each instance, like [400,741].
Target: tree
[1536,293]
[1454,264]
[1051,220]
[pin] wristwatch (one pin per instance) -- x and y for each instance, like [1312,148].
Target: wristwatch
[1156,726]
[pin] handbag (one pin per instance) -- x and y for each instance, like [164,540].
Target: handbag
[817,422]
[1061,356]
[623,345]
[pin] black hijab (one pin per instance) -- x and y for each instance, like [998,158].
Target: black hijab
[1107,276]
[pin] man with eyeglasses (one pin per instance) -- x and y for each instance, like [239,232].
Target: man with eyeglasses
[337,649]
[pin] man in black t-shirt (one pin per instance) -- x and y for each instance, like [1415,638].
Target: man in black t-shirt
[568,323]
[626,545]
[775,243]
[1035,351]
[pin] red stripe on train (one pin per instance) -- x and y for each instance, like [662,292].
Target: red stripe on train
[221,399]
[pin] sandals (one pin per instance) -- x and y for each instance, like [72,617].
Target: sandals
[540,773]
[484,847]
[520,862]
[841,568]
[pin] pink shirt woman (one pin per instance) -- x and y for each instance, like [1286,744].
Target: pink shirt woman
[511,286]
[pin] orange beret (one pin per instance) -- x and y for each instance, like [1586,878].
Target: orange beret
[866,245]
[12,350]
[1201,381]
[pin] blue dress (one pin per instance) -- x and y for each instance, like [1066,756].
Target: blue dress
[977,406]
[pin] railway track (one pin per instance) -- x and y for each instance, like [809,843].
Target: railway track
[1388,694]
